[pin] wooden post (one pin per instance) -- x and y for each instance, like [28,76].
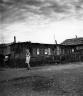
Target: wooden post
[14,53]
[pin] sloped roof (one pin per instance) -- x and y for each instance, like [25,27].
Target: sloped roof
[32,44]
[3,45]
[73,41]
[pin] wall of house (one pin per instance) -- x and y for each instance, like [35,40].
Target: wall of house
[1,50]
[41,53]
[5,50]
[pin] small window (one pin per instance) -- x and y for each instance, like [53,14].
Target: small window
[72,50]
[58,50]
[46,51]
[37,51]
[49,51]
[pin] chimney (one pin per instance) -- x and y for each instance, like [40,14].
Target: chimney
[76,36]
[55,41]
[14,39]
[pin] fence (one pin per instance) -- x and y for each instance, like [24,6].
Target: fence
[66,58]
[38,61]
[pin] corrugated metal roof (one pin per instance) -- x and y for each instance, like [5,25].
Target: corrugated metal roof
[74,41]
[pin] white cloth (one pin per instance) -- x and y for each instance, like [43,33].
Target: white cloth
[6,58]
[27,59]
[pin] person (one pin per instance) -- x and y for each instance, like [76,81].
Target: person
[28,59]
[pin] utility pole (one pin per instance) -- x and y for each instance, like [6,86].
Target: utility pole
[55,48]
[14,49]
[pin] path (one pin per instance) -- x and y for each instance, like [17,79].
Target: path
[12,73]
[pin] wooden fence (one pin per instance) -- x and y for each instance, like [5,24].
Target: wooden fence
[38,61]
[66,58]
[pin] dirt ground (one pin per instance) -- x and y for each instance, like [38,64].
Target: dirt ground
[58,80]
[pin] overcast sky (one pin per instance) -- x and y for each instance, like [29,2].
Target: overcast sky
[40,20]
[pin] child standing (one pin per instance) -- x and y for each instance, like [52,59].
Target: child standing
[28,59]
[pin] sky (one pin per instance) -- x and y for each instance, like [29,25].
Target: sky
[41,21]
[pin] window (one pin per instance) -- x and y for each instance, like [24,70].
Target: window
[72,50]
[49,51]
[46,51]
[37,51]
[63,51]
[58,50]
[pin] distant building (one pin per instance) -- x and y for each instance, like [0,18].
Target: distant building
[68,50]
[73,41]
[75,44]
